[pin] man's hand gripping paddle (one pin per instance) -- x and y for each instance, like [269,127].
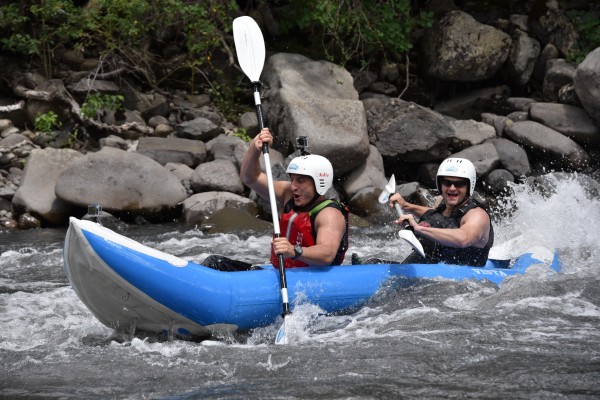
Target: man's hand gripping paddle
[407,231]
[250,49]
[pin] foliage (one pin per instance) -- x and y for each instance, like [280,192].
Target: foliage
[96,103]
[356,30]
[587,25]
[188,44]
[242,134]
[39,28]
[47,122]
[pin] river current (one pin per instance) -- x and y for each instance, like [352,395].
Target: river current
[536,336]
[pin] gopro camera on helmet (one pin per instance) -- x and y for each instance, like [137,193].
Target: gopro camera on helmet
[302,144]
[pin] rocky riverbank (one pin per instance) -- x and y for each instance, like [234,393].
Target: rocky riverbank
[171,156]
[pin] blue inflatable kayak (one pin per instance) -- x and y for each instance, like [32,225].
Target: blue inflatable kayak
[129,286]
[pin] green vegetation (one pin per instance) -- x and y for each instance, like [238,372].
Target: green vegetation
[242,134]
[96,103]
[47,122]
[188,45]
[355,31]
[587,25]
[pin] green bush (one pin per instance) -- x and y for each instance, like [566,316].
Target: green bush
[96,103]
[39,27]
[587,25]
[188,44]
[46,122]
[355,30]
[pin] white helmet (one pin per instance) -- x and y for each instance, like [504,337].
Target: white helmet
[460,168]
[317,167]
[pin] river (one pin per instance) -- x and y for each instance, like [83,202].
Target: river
[537,336]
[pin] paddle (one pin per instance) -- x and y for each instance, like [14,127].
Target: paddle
[407,232]
[250,49]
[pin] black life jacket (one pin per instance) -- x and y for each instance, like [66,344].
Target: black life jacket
[437,253]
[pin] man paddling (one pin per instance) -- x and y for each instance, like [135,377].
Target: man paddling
[314,228]
[458,229]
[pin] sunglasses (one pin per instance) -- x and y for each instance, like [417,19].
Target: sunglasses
[457,184]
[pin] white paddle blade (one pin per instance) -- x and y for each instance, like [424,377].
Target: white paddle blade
[390,188]
[384,197]
[282,337]
[249,46]
[410,237]
[391,185]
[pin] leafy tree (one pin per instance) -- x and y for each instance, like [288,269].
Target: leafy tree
[587,24]
[353,30]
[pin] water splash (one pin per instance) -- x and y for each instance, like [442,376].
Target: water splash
[557,211]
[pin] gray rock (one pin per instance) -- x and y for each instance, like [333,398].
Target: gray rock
[468,133]
[197,208]
[568,95]
[458,48]
[524,51]
[513,157]
[229,219]
[546,141]
[365,204]
[587,84]
[496,121]
[471,104]
[518,116]
[120,181]
[519,103]
[498,181]
[217,175]
[554,26]
[181,171]
[198,129]
[549,52]
[572,121]
[36,195]
[114,141]
[223,147]
[173,150]
[363,80]
[249,122]
[316,99]
[484,156]
[558,74]
[84,87]
[409,131]
[519,21]
[370,174]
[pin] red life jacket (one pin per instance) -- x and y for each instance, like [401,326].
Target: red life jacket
[297,226]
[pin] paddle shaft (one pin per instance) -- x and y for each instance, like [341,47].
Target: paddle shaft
[272,199]
[405,224]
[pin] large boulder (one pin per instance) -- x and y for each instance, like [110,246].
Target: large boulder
[36,195]
[548,143]
[524,52]
[587,84]
[567,119]
[459,48]
[370,174]
[120,181]
[316,99]
[405,130]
